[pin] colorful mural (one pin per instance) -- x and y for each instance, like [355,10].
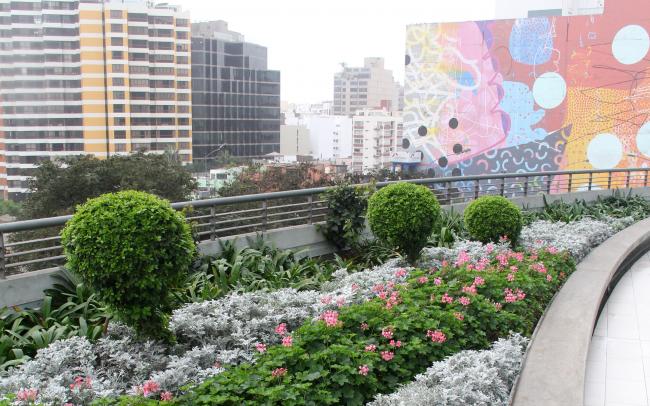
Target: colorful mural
[537,94]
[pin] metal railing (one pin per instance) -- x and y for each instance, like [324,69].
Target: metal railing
[33,245]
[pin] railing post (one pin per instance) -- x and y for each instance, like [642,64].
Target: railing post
[477,189]
[213,226]
[627,179]
[526,186]
[503,186]
[570,183]
[3,269]
[548,186]
[310,199]
[591,176]
[264,214]
[645,183]
[609,180]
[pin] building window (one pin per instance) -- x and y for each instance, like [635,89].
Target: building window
[116,13]
[118,108]
[118,68]
[117,41]
[120,147]
[118,55]
[118,81]
[117,28]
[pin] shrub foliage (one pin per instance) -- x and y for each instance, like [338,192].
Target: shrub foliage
[346,220]
[132,248]
[403,216]
[489,218]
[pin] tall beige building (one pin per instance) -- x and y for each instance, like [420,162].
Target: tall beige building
[91,77]
[369,87]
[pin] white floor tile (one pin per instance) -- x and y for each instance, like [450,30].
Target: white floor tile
[624,349]
[630,370]
[629,393]
[622,326]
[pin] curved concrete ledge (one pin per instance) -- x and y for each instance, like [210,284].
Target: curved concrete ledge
[553,372]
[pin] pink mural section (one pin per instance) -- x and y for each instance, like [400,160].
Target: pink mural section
[536,94]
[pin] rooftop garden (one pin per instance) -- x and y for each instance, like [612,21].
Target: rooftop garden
[436,309]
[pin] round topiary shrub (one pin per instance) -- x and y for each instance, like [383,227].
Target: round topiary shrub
[403,215]
[489,218]
[132,248]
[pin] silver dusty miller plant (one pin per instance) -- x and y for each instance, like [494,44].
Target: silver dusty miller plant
[478,378]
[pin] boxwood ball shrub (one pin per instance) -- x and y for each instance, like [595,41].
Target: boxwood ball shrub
[403,215]
[132,248]
[489,218]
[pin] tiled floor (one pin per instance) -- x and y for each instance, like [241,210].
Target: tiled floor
[618,365]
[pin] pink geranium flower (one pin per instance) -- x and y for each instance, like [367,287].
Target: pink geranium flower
[287,341]
[281,329]
[387,355]
[166,396]
[363,370]
[150,387]
[387,333]
[331,318]
[371,348]
[27,395]
[260,347]
[437,336]
[278,372]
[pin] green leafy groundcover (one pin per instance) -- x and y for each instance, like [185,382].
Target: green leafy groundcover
[353,353]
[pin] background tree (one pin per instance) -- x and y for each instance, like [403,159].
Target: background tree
[58,186]
[258,179]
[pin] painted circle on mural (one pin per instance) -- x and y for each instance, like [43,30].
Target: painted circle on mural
[443,161]
[407,59]
[431,173]
[605,151]
[643,139]
[456,172]
[549,90]
[453,123]
[422,131]
[457,148]
[631,44]
[406,143]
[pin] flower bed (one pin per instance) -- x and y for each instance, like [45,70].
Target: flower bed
[215,336]
[351,354]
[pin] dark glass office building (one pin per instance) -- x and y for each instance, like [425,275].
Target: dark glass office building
[235,98]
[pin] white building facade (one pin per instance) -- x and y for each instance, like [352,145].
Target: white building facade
[376,140]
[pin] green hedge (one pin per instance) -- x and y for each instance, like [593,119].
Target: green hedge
[132,248]
[402,215]
[489,218]
[324,364]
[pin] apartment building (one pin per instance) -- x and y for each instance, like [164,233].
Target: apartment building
[376,139]
[368,87]
[98,77]
[236,98]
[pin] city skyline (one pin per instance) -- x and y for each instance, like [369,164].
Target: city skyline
[317,38]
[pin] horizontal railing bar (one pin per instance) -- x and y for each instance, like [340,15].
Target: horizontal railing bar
[35,261]
[21,253]
[287,213]
[39,240]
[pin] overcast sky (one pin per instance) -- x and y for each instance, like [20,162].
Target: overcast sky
[307,40]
